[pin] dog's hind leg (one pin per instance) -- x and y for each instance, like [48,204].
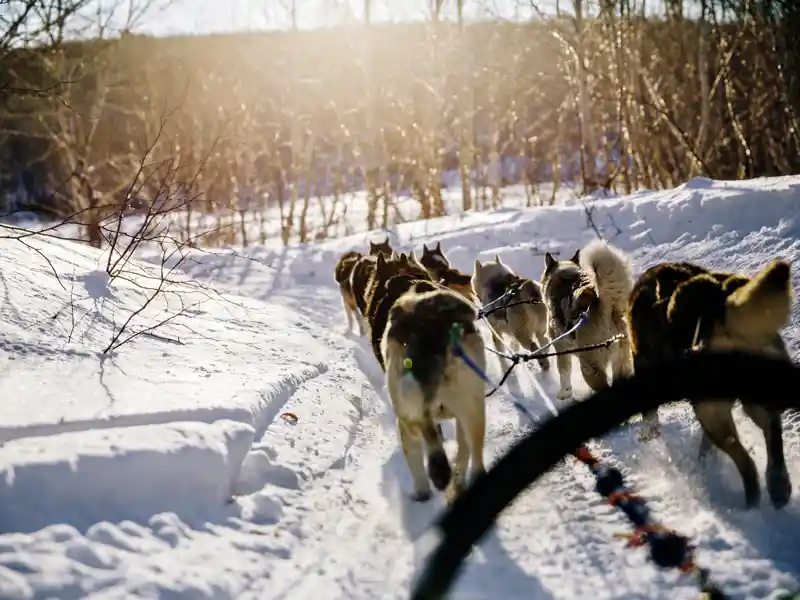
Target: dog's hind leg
[362,330]
[500,348]
[621,359]
[650,427]
[413,451]
[349,314]
[594,372]
[564,364]
[439,469]
[716,420]
[476,436]
[779,484]
[460,464]
[541,341]
[705,446]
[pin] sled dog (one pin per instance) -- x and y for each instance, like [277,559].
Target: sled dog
[384,287]
[525,323]
[355,275]
[427,383]
[434,261]
[439,268]
[676,307]
[596,279]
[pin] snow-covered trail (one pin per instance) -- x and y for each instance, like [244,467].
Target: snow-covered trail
[356,526]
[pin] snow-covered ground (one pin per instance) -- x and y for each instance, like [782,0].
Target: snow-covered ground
[167,469]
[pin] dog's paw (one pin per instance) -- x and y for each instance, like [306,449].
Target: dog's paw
[421,495]
[564,394]
[779,487]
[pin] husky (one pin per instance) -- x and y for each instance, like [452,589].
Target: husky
[439,268]
[525,323]
[427,384]
[677,307]
[344,267]
[434,261]
[459,282]
[379,296]
[597,280]
[357,280]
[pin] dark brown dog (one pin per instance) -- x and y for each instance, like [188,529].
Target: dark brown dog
[676,307]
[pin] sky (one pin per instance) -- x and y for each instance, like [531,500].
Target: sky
[216,16]
[181,17]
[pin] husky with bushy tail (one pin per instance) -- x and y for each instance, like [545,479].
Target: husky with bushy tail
[597,281]
[428,383]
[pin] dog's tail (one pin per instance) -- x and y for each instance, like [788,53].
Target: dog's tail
[609,271]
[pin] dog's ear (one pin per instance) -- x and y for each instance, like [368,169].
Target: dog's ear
[393,255]
[439,247]
[497,259]
[693,308]
[762,306]
[576,258]
[424,249]
[549,261]
[386,241]
[380,263]
[476,270]
[372,247]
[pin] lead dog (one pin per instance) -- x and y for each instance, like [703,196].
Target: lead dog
[596,280]
[676,307]
[427,383]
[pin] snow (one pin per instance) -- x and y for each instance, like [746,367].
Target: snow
[164,468]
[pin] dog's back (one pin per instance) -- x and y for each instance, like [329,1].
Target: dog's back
[382,304]
[421,323]
[458,282]
[653,337]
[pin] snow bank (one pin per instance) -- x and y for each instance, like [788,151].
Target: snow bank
[120,474]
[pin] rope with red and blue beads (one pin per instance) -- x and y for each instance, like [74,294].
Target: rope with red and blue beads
[668,549]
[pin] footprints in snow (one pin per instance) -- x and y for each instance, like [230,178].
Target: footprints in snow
[265,466]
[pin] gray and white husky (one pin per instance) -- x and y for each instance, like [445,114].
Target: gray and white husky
[524,323]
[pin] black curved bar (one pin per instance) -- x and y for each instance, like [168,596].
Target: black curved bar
[758,379]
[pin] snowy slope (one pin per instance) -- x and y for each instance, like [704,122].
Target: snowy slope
[165,469]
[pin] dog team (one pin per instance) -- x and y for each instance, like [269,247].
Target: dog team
[416,310]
